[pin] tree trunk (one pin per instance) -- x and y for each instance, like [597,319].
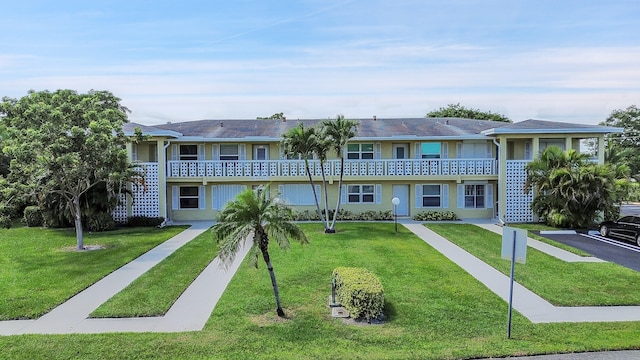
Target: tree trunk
[315,195]
[78,222]
[332,227]
[327,227]
[264,245]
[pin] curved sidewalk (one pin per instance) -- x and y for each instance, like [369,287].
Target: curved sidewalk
[189,313]
[526,302]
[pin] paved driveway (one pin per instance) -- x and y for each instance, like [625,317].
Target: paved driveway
[617,251]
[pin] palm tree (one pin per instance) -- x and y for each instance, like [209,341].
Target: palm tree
[253,213]
[303,142]
[572,190]
[339,132]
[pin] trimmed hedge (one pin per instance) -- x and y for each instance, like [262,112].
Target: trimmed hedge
[369,215]
[433,215]
[359,291]
[145,221]
[33,216]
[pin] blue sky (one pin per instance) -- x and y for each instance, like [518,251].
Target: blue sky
[564,60]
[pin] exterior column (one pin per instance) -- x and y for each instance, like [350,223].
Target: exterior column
[601,149]
[502,179]
[162,178]
[568,143]
[535,147]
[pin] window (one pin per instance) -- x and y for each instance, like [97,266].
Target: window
[298,194]
[359,151]
[153,152]
[357,194]
[188,152]
[474,196]
[189,197]
[229,152]
[222,194]
[431,195]
[545,143]
[431,150]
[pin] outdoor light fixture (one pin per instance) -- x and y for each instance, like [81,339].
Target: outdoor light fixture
[395,201]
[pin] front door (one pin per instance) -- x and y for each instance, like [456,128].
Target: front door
[260,152]
[402,193]
[400,151]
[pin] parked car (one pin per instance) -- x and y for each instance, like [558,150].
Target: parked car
[626,228]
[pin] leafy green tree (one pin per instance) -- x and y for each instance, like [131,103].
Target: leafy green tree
[459,111]
[253,214]
[276,116]
[628,142]
[338,133]
[303,142]
[66,143]
[571,190]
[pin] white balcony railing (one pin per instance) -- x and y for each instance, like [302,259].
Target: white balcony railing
[272,168]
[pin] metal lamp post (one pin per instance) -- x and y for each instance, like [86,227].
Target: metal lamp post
[395,201]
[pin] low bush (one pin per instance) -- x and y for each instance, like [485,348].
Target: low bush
[145,221]
[100,221]
[32,216]
[432,215]
[359,291]
[5,221]
[345,215]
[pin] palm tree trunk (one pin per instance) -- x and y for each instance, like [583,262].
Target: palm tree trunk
[332,227]
[276,293]
[327,227]
[315,195]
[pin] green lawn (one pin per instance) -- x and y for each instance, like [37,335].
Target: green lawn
[39,268]
[434,310]
[155,291]
[559,282]
[539,227]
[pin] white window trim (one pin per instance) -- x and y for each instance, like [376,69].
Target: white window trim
[175,197]
[377,194]
[488,195]
[444,197]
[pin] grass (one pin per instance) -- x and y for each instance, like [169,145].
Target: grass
[155,291]
[40,269]
[540,227]
[434,310]
[559,282]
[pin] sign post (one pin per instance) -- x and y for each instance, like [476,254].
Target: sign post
[514,248]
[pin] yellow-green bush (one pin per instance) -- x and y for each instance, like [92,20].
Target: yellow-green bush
[359,291]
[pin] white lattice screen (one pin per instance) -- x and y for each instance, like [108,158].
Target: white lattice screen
[518,202]
[146,199]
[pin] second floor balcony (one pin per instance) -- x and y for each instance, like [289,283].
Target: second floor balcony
[264,169]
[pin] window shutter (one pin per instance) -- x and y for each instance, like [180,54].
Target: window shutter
[174,152]
[378,194]
[175,197]
[215,152]
[319,194]
[460,196]
[445,196]
[214,197]
[418,152]
[459,150]
[489,195]
[527,150]
[418,196]
[378,151]
[241,152]
[134,152]
[445,150]
[201,152]
[201,201]
[343,195]
[489,153]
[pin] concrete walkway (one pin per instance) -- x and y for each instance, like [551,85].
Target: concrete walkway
[189,313]
[529,304]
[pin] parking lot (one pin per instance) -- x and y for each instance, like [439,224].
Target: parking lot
[613,250]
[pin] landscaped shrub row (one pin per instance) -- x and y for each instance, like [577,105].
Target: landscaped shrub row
[99,221]
[432,215]
[145,221]
[5,221]
[33,216]
[359,291]
[368,215]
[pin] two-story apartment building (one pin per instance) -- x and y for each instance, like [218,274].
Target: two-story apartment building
[472,167]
